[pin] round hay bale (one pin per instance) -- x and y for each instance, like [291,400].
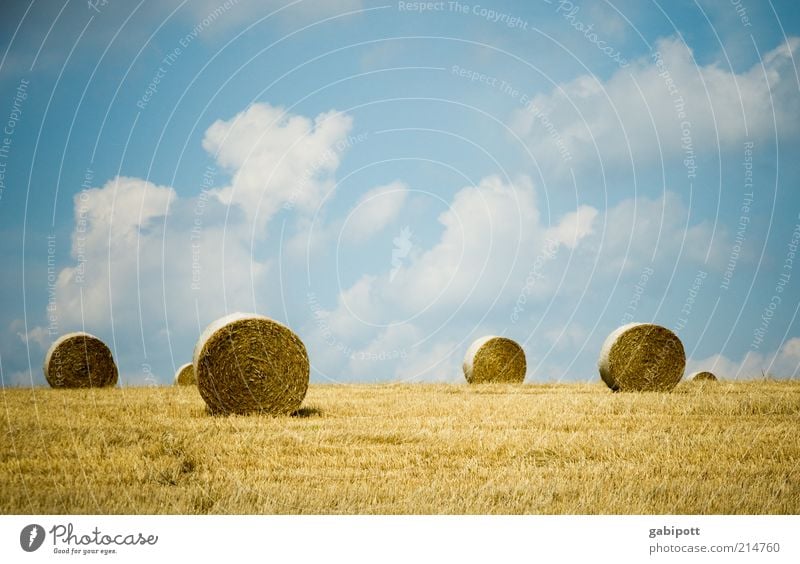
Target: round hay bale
[494,359]
[642,357]
[185,375]
[246,363]
[79,360]
[703,376]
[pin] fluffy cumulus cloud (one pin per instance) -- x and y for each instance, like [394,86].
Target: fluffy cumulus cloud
[494,256]
[382,284]
[440,362]
[641,230]
[277,159]
[487,232]
[117,236]
[666,105]
[574,226]
[480,261]
[376,209]
[141,270]
[149,267]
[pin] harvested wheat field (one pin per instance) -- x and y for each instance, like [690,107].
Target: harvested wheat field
[565,448]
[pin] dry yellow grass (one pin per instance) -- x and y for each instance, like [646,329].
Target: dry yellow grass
[568,448]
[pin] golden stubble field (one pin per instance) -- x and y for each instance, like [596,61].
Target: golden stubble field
[544,449]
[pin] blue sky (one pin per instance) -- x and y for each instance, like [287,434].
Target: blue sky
[395,182]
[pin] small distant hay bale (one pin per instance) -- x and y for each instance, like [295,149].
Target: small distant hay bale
[642,357]
[246,363]
[79,360]
[494,359]
[703,376]
[185,375]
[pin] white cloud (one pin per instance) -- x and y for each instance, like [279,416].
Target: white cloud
[152,267]
[607,20]
[38,335]
[488,238]
[117,235]
[490,235]
[484,229]
[378,359]
[376,209]
[136,265]
[277,159]
[495,279]
[488,230]
[357,308]
[441,362]
[574,226]
[636,228]
[616,120]
[566,337]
